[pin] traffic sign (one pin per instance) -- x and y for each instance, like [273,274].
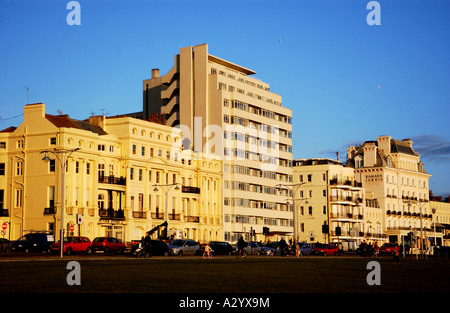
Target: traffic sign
[4,226]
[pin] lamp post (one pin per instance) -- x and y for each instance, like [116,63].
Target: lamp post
[62,155]
[294,188]
[166,188]
[434,222]
[410,202]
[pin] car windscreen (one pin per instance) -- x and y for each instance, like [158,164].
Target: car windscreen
[177,243]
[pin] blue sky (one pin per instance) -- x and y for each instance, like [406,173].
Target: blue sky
[327,67]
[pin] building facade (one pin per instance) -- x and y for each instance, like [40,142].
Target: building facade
[115,179]
[222,110]
[393,173]
[330,202]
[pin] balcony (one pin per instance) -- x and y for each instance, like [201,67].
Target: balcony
[189,189]
[48,211]
[112,180]
[111,214]
[194,219]
[139,214]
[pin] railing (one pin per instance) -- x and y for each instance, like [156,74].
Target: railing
[112,180]
[50,210]
[189,189]
[111,213]
[139,214]
[194,219]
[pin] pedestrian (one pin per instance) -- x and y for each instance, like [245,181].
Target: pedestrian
[375,249]
[297,249]
[396,255]
[241,245]
[283,246]
[147,245]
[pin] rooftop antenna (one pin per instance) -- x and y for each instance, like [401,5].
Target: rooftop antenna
[27,93]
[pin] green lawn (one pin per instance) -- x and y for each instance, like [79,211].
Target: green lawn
[226,275]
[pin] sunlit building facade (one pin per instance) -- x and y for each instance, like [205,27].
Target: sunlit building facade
[223,110]
[110,179]
[392,171]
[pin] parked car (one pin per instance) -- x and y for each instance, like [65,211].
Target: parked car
[73,245]
[33,242]
[325,249]
[271,248]
[5,245]
[254,247]
[388,248]
[184,247]
[159,247]
[305,248]
[108,244]
[221,247]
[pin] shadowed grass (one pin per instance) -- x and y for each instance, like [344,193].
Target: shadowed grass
[226,275]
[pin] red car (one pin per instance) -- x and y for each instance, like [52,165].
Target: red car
[108,244]
[389,248]
[73,244]
[325,249]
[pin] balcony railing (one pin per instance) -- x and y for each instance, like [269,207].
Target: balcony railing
[111,214]
[190,189]
[50,210]
[139,214]
[194,219]
[112,180]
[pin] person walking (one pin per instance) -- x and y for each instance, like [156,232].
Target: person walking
[396,255]
[240,245]
[297,249]
[147,244]
[283,246]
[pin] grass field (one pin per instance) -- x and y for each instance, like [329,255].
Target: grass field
[226,275]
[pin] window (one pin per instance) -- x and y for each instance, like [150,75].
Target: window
[101,170]
[2,145]
[2,169]
[77,167]
[52,166]
[2,198]
[19,168]
[143,151]
[88,168]
[310,210]
[51,196]
[131,173]
[53,141]
[134,149]
[140,174]
[101,147]
[309,177]
[19,193]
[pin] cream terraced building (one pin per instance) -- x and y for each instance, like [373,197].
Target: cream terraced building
[109,182]
[223,110]
[331,203]
[393,173]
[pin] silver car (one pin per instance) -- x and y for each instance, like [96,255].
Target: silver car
[184,247]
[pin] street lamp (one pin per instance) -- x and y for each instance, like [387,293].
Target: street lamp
[294,188]
[65,154]
[434,222]
[410,202]
[166,189]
